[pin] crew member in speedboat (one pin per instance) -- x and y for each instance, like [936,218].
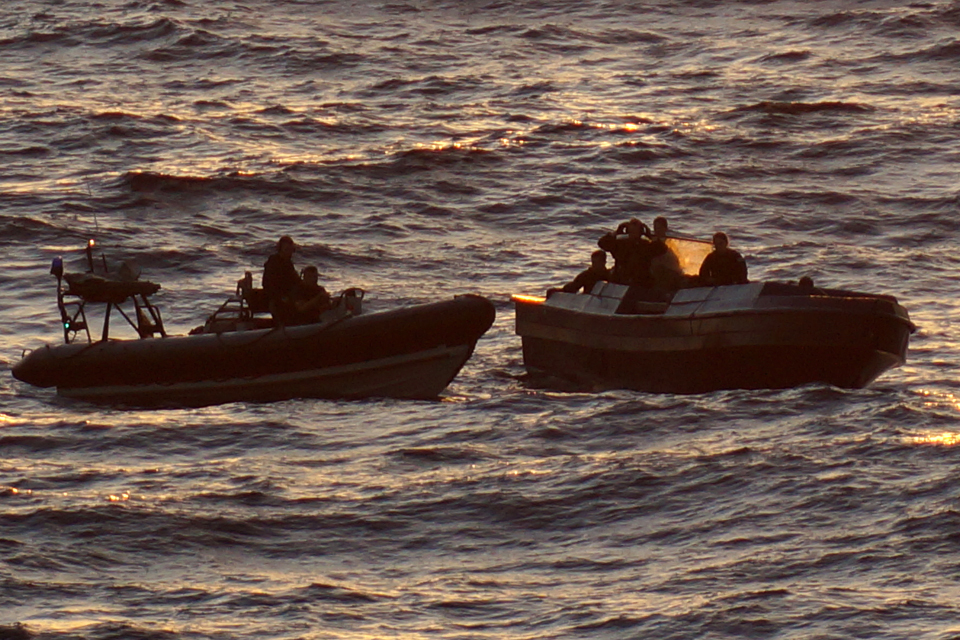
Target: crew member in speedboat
[665,271]
[586,279]
[660,229]
[723,265]
[309,298]
[632,253]
[280,280]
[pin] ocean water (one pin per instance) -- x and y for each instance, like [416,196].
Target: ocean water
[424,148]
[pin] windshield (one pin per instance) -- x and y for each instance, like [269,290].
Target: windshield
[690,253]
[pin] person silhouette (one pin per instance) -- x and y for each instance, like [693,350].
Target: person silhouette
[309,298]
[586,279]
[631,253]
[723,265]
[280,279]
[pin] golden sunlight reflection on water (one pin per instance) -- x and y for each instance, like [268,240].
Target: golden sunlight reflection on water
[940,399]
[943,439]
[937,400]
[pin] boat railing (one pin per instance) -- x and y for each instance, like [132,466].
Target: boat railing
[254,299]
[248,309]
[239,311]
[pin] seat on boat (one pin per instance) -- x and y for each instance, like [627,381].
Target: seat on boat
[240,312]
[255,298]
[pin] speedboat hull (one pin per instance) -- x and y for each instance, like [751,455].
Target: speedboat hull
[412,352]
[706,339]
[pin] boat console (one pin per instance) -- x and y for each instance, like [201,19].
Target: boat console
[247,309]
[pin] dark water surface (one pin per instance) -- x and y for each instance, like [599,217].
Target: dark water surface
[421,149]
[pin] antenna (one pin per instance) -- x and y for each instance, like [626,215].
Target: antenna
[90,244]
[96,235]
[96,222]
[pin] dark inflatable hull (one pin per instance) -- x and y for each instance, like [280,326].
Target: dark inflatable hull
[412,352]
[708,339]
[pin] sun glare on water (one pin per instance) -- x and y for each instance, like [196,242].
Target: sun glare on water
[944,439]
[938,401]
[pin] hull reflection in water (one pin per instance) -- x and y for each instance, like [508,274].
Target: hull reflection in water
[752,336]
[412,352]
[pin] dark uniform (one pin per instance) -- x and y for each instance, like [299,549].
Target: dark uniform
[722,267]
[280,279]
[631,257]
[586,280]
[310,300]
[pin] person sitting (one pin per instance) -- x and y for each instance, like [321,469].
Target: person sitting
[631,254]
[309,298]
[724,265]
[586,279]
[280,278]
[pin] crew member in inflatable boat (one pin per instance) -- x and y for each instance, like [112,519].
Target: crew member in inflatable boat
[309,298]
[724,265]
[280,280]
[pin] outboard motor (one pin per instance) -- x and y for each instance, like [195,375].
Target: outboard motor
[353,300]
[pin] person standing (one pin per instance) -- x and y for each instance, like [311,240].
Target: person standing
[631,254]
[660,229]
[665,271]
[280,280]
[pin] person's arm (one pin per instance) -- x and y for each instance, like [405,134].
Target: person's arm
[575,285]
[323,299]
[607,242]
[269,281]
[706,268]
[741,270]
[320,300]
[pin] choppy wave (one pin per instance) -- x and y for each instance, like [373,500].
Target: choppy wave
[422,150]
[798,108]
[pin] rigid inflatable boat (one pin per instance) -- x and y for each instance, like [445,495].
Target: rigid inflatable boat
[411,352]
[761,335]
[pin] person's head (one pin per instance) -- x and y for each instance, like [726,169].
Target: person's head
[598,259]
[634,228]
[660,227]
[286,246]
[310,274]
[720,240]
